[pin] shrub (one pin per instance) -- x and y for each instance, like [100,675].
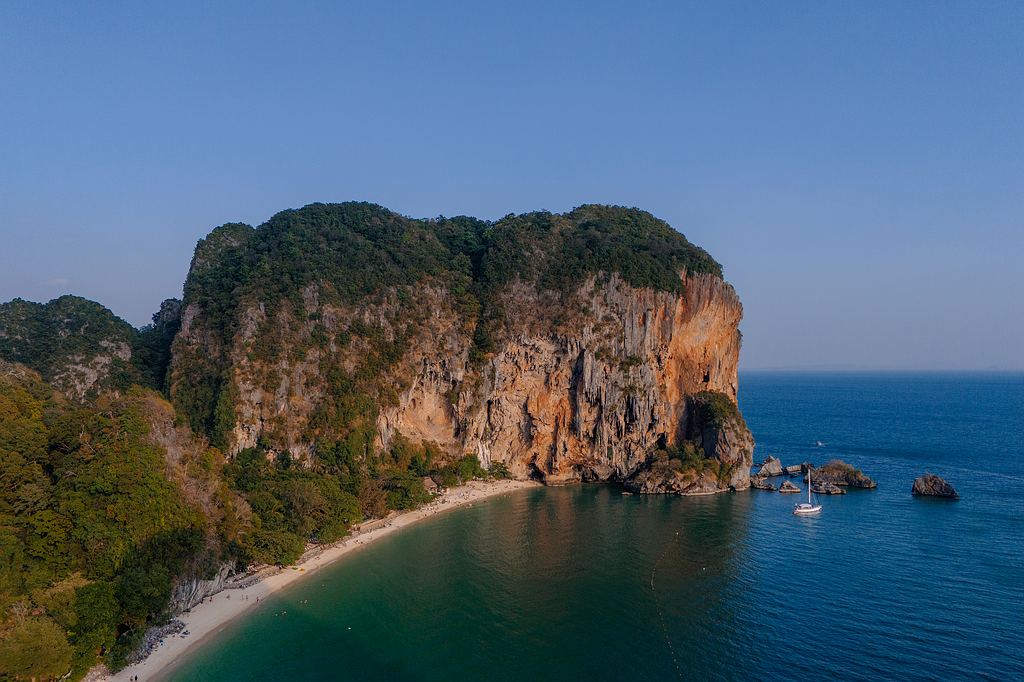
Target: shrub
[498,470]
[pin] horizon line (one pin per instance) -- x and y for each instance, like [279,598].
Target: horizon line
[838,369]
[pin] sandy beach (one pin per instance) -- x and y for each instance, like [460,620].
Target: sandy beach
[213,614]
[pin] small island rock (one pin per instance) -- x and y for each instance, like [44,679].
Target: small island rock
[771,466]
[761,483]
[934,486]
[838,472]
[788,487]
[793,469]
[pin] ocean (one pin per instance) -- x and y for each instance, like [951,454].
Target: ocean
[585,583]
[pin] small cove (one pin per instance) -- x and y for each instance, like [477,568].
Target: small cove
[584,582]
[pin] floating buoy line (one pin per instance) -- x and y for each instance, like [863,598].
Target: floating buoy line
[661,611]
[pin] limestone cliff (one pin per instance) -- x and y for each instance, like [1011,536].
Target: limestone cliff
[589,400]
[578,357]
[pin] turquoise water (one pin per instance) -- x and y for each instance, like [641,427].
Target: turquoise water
[585,583]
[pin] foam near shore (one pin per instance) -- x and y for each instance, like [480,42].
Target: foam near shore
[212,615]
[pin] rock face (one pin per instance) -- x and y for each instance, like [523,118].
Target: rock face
[838,472]
[190,590]
[932,485]
[584,384]
[771,466]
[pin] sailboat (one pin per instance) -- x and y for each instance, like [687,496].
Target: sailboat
[807,507]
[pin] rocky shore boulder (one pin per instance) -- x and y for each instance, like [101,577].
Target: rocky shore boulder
[792,470]
[788,487]
[761,483]
[933,486]
[838,472]
[771,466]
[827,489]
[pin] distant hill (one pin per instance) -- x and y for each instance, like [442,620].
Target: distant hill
[82,348]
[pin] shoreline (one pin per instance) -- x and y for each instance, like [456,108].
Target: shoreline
[209,617]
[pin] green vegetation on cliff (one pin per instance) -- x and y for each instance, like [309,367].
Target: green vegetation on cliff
[716,409]
[559,251]
[354,250]
[350,481]
[151,349]
[689,460]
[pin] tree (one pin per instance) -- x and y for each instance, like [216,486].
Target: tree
[35,648]
[98,611]
[273,547]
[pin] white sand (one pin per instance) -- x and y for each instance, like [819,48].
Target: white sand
[212,615]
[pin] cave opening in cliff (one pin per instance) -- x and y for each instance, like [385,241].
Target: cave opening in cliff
[535,473]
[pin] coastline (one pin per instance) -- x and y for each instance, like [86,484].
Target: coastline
[209,617]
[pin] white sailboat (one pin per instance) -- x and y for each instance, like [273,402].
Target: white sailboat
[807,507]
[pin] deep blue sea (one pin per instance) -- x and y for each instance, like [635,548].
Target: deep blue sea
[585,583]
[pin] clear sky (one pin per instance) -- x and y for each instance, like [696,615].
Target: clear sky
[858,168]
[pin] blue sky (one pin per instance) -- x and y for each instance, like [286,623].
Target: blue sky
[858,168]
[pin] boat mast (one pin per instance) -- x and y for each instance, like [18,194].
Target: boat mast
[808,485]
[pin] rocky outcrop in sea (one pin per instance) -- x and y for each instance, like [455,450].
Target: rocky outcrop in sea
[771,466]
[933,486]
[838,472]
